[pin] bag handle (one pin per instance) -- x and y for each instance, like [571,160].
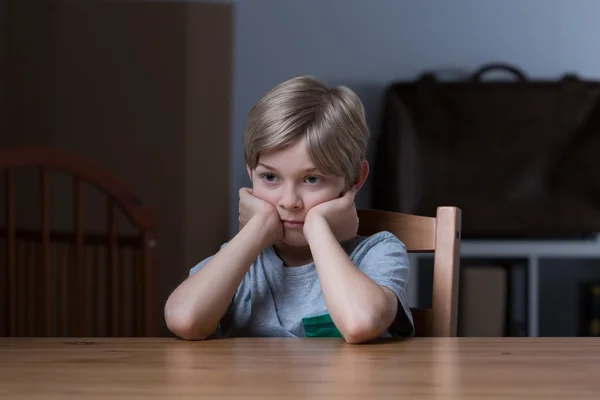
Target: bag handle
[476,77]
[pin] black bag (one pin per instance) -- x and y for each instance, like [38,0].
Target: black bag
[505,152]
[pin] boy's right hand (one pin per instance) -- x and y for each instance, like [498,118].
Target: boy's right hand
[251,206]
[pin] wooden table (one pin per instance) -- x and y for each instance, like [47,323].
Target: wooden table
[442,368]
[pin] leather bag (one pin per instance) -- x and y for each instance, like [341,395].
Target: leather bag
[504,151]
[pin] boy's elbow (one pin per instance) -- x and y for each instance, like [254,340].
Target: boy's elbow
[361,331]
[184,326]
[185,333]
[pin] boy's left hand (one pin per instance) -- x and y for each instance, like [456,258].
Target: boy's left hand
[340,214]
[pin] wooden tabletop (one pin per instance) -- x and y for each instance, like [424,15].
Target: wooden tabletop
[441,368]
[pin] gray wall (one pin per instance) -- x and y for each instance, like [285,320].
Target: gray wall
[368,44]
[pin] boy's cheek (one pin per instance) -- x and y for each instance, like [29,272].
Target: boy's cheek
[268,197]
[264,197]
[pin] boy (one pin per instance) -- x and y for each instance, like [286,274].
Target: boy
[297,268]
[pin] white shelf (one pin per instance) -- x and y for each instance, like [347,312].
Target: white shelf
[532,251]
[531,248]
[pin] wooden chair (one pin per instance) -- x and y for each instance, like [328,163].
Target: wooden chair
[76,281]
[440,235]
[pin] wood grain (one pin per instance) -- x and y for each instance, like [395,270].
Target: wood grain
[417,232]
[423,368]
[446,272]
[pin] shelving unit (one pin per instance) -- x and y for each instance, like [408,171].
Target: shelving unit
[536,254]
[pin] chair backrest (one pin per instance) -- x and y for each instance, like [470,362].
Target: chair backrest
[440,235]
[74,280]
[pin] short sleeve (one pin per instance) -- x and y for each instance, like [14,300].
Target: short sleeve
[384,260]
[202,263]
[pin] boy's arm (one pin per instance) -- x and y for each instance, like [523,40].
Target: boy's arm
[195,308]
[359,307]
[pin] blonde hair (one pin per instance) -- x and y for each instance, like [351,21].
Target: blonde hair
[331,121]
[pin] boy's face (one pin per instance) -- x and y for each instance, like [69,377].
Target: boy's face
[289,181]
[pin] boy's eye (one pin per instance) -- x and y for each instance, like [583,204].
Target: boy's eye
[313,179]
[269,177]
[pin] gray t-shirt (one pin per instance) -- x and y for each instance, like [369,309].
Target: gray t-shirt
[272,300]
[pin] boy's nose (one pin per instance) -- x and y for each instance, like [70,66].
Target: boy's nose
[290,200]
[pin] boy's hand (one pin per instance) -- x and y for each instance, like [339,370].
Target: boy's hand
[340,214]
[251,206]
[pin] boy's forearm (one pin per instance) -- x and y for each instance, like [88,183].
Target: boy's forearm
[358,306]
[194,309]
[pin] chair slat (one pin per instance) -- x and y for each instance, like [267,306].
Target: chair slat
[80,275]
[63,269]
[47,273]
[446,264]
[112,271]
[11,252]
[95,290]
[138,271]
[121,290]
[31,295]
[32,266]
[22,265]
[415,231]
[148,243]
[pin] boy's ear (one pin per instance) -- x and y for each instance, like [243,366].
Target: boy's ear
[249,172]
[362,176]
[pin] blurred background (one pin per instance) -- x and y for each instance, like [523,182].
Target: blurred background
[157,93]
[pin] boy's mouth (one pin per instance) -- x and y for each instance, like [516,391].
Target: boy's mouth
[288,223]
